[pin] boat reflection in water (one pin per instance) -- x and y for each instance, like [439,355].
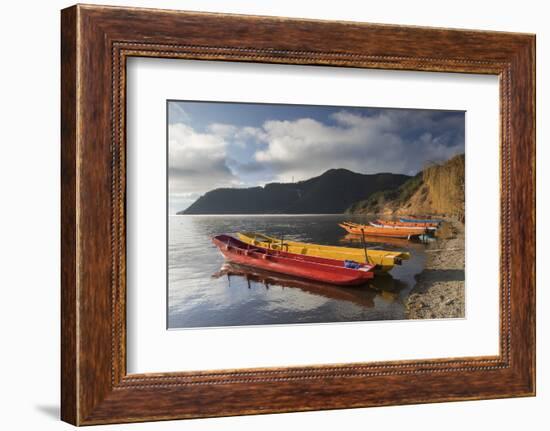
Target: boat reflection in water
[385,287]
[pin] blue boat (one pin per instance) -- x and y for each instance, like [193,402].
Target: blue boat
[420,220]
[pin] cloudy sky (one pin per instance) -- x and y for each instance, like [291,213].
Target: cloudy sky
[213,144]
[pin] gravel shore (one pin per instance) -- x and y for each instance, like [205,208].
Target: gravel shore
[439,291]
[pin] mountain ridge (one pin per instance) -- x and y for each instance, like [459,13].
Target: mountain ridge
[329,193]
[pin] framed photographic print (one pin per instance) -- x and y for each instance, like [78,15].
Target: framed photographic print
[316,182]
[265,214]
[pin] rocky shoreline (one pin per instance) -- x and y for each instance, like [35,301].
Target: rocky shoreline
[439,289]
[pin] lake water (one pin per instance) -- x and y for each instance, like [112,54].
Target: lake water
[203,291]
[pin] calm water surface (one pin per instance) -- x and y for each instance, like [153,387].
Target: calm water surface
[204,291]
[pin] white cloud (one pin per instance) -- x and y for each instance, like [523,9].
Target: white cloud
[255,133]
[222,130]
[197,163]
[305,147]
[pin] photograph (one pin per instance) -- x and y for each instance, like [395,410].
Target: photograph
[281,214]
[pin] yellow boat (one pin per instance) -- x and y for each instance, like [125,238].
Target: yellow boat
[383,259]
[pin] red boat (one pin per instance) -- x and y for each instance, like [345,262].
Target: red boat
[297,265]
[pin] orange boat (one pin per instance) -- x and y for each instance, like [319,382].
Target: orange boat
[358,238]
[383,231]
[381,223]
[428,219]
[394,223]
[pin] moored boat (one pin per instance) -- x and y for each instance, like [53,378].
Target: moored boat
[411,219]
[394,223]
[383,225]
[382,231]
[332,271]
[384,260]
[358,239]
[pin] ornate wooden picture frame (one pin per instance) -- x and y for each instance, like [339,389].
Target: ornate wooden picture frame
[96,41]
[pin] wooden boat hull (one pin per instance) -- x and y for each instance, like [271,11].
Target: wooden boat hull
[383,259]
[414,228]
[382,224]
[420,220]
[381,231]
[358,239]
[402,224]
[312,268]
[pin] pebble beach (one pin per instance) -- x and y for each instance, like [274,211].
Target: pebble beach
[439,291]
